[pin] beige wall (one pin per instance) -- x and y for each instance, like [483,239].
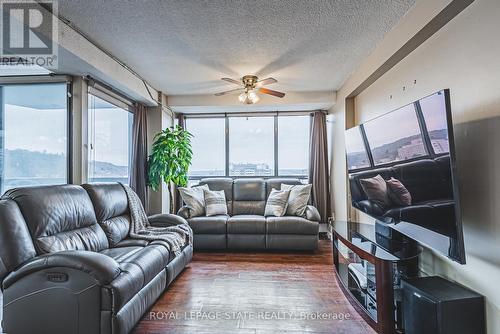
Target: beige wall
[464,57]
[158,120]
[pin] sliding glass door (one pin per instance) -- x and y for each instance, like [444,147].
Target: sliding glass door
[33,135]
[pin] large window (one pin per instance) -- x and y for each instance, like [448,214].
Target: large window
[355,148]
[33,135]
[434,112]
[251,146]
[110,130]
[208,145]
[293,143]
[403,142]
[264,146]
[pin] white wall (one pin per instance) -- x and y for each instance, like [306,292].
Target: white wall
[462,56]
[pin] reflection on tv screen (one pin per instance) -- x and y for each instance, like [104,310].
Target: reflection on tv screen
[400,171]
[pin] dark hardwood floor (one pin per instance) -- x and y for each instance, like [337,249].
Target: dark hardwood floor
[255,293]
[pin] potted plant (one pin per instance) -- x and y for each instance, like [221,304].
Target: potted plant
[170,159]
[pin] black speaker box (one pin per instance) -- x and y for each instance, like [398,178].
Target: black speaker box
[433,305]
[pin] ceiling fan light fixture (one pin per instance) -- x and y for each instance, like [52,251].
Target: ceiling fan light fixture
[243,97]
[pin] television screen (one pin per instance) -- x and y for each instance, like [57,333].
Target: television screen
[402,172]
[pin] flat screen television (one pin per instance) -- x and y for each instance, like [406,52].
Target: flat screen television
[413,145]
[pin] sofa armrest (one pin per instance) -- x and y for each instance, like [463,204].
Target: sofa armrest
[102,268]
[370,207]
[184,212]
[164,220]
[312,214]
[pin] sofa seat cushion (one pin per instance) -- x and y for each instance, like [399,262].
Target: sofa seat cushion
[139,265]
[246,224]
[208,225]
[291,225]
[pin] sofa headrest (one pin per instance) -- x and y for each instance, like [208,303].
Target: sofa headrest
[109,200]
[276,184]
[249,189]
[59,218]
[220,183]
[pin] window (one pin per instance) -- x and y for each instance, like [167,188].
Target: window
[355,149]
[209,158]
[293,145]
[434,112]
[403,142]
[110,130]
[34,135]
[251,146]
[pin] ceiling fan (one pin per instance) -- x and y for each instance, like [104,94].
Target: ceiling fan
[251,85]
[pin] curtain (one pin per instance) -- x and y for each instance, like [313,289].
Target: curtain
[138,175]
[318,166]
[177,197]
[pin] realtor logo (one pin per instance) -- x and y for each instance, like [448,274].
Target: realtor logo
[29,33]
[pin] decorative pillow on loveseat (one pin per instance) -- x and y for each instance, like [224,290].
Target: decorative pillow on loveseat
[276,203]
[215,202]
[398,193]
[298,199]
[376,190]
[194,199]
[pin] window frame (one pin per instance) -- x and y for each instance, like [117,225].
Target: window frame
[275,121]
[44,80]
[422,125]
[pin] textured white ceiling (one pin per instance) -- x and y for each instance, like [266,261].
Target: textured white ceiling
[186,46]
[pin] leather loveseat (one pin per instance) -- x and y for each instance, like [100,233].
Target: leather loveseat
[245,227]
[67,265]
[430,185]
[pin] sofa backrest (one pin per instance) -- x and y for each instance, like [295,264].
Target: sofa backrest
[249,196]
[221,183]
[111,209]
[15,239]
[276,184]
[246,196]
[59,218]
[425,179]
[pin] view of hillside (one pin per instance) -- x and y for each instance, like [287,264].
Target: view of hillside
[23,167]
[391,151]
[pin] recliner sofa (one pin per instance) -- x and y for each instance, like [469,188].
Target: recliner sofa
[67,265]
[245,227]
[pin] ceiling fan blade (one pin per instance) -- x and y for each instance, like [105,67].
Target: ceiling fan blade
[271,92]
[239,83]
[265,82]
[230,91]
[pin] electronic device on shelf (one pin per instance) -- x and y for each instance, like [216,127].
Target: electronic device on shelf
[413,144]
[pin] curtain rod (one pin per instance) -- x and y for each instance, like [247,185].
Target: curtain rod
[253,114]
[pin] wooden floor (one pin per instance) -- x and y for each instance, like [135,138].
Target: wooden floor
[255,294]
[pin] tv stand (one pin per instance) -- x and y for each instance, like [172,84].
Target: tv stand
[369,267]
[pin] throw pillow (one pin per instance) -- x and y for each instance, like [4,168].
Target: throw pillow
[398,192]
[215,202]
[298,199]
[375,189]
[276,203]
[194,200]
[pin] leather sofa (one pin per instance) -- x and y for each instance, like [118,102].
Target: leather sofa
[430,185]
[245,227]
[67,265]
